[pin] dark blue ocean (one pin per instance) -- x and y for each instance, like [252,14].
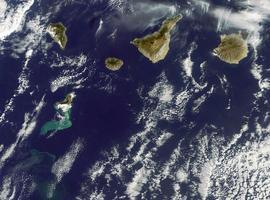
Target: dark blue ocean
[107,106]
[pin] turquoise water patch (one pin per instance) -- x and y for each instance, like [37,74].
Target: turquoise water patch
[57,125]
[63,113]
[39,164]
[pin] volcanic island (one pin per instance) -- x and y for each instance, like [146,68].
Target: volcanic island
[113,63]
[63,115]
[156,46]
[58,32]
[232,49]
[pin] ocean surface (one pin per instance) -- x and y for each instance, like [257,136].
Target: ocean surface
[189,127]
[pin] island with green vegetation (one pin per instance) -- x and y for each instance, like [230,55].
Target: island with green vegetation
[58,32]
[63,115]
[156,46]
[232,49]
[113,63]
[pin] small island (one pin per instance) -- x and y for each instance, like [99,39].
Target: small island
[58,32]
[63,115]
[155,46]
[232,49]
[113,63]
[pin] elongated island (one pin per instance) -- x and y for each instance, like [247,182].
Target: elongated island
[63,115]
[156,46]
[58,32]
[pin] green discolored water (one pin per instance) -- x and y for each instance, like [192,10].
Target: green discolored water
[55,125]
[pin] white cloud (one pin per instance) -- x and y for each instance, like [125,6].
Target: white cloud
[243,20]
[63,165]
[30,122]
[12,18]
[3,8]
[143,15]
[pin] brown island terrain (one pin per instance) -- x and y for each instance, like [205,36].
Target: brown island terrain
[58,32]
[155,46]
[113,63]
[232,49]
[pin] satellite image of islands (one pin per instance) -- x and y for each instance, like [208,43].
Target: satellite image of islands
[134,99]
[156,46]
[232,49]
[113,63]
[58,32]
[63,109]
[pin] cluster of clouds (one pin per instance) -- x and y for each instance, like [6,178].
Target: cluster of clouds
[249,18]
[12,17]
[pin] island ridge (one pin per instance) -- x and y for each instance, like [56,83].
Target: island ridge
[155,46]
[58,32]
